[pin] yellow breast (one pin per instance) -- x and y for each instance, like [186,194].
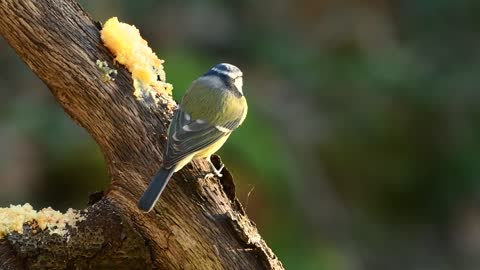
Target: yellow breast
[210,150]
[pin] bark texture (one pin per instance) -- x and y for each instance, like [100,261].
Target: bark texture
[197,224]
[102,241]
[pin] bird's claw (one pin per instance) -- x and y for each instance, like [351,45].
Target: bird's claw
[208,175]
[216,172]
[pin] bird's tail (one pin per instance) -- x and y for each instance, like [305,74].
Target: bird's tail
[158,183]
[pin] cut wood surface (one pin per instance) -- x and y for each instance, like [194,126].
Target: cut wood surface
[197,223]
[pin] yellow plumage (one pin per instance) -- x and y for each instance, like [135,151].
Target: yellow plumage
[210,110]
[204,153]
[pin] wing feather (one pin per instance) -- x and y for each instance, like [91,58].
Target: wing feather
[187,136]
[189,132]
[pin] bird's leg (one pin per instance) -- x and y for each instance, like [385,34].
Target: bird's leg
[215,170]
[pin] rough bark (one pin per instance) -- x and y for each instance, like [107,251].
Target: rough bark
[198,223]
[102,241]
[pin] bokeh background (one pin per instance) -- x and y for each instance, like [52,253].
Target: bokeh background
[361,149]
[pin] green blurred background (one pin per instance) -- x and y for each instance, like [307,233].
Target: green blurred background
[361,149]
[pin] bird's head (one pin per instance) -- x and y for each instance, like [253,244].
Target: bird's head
[230,75]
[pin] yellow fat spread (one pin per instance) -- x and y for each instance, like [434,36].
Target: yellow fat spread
[132,51]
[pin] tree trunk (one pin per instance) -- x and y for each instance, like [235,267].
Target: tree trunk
[197,223]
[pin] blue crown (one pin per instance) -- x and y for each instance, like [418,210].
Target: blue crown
[225,69]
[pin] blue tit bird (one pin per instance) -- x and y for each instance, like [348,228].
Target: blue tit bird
[212,107]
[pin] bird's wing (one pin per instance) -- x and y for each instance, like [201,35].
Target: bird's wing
[187,136]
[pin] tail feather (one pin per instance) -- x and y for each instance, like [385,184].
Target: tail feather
[158,183]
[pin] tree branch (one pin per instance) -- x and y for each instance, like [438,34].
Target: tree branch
[103,240]
[198,223]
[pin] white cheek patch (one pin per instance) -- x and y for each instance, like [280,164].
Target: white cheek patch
[239,84]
